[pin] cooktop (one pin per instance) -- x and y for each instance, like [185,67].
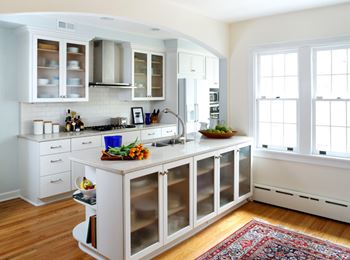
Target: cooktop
[108,127]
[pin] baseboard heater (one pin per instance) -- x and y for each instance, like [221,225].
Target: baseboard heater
[321,206]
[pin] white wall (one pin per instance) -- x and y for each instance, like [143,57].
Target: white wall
[306,25]
[9,179]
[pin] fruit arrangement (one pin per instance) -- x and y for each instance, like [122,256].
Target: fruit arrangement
[86,184]
[220,131]
[132,151]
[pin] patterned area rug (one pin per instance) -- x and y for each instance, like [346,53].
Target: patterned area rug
[258,240]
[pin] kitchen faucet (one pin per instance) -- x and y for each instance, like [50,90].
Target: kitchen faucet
[182,138]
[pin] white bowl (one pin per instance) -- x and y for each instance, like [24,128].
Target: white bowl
[73,49]
[43,82]
[87,193]
[73,63]
[74,81]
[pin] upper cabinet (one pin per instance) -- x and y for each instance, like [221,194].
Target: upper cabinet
[212,71]
[52,69]
[148,75]
[191,65]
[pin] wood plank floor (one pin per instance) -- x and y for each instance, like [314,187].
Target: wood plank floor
[28,232]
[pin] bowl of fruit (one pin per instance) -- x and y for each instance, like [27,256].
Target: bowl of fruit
[220,132]
[87,187]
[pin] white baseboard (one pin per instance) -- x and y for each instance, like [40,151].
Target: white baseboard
[9,195]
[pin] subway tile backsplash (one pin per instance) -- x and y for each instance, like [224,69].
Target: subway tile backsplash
[103,104]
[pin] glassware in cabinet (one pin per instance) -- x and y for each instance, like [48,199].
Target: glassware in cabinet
[244,170]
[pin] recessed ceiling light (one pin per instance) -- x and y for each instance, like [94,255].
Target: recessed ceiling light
[154,29]
[106,18]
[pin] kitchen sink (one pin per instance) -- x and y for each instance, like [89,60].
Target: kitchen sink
[159,144]
[169,142]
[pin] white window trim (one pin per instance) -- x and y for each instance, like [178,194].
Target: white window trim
[305,140]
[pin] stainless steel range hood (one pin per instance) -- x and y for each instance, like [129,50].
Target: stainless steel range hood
[107,65]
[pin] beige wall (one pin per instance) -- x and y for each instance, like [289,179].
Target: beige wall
[205,31]
[306,25]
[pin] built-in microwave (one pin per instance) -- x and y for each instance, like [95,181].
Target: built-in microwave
[214,96]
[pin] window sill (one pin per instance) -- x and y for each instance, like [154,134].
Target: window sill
[319,160]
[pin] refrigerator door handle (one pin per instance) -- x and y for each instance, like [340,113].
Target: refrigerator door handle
[196,112]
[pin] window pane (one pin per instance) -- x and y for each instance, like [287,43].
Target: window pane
[291,64]
[324,62]
[322,113]
[348,146]
[338,139]
[277,134]
[264,133]
[323,138]
[339,61]
[278,86]
[290,112]
[277,111]
[339,86]
[291,87]
[324,84]
[266,87]
[265,65]
[338,113]
[264,111]
[278,65]
[290,135]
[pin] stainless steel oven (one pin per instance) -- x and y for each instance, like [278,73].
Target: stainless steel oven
[214,111]
[214,96]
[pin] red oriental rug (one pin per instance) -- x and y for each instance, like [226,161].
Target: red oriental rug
[258,240]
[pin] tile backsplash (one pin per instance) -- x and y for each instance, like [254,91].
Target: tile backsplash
[103,104]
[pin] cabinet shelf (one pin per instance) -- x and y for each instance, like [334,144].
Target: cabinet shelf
[47,68]
[140,61]
[176,181]
[76,53]
[140,74]
[175,210]
[94,207]
[142,223]
[204,196]
[225,187]
[75,86]
[80,234]
[79,70]
[223,165]
[201,171]
[143,190]
[157,75]
[47,50]
[156,62]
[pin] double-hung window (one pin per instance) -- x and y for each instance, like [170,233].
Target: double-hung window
[277,100]
[331,103]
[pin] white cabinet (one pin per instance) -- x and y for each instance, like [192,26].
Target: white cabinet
[150,134]
[169,131]
[191,65]
[244,172]
[54,184]
[57,66]
[212,71]
[148,75]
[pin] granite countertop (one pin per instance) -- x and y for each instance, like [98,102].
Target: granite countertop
[69,135]
[158,155]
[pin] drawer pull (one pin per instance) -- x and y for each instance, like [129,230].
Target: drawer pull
[169,131]
[56,147]
[86,142]
[56,161]
[56,181]
[151,133]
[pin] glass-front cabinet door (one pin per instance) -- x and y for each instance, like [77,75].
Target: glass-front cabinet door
[48,69]
[144,227]
[227,179]
[178,198]
[140,75]
[244,171]
[205,187]
[157,82]
[76,74]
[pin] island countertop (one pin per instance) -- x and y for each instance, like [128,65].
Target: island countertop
[158,155]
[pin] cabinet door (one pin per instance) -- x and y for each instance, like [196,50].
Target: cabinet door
[47,64]
[226,179]
[212,71]
[76,80]
[198,64]
[185,63]
[143,207]
[157,72]
[140,74]
[244,171]
[178,201]
[205,168]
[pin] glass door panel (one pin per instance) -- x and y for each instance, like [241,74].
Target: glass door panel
[205,187]
[140,74]
[178,190]
[48,63]
[76,71]
[157,75]
[144,212]
[227,174]
[244,170]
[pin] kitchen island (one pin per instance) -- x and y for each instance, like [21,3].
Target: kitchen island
[145,207]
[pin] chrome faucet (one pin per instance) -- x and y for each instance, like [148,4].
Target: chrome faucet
[182,137]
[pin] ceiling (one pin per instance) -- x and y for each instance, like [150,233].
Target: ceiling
[238,10]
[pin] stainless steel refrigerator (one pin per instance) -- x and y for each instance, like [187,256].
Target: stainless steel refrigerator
[193,103]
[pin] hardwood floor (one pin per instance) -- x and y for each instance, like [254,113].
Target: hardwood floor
[28,232]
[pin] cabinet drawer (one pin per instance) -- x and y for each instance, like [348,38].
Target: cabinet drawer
[169,131]
[56,163]
[54,184]
[86,142]
[151,134]
[60,146]
[127,137]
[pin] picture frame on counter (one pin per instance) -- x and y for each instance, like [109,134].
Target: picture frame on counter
[137,115]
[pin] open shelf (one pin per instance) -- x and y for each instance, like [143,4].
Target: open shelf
[94,207]
[80,234]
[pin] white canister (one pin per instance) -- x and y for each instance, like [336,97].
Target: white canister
[55,128]
[38,127]
[47,127]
